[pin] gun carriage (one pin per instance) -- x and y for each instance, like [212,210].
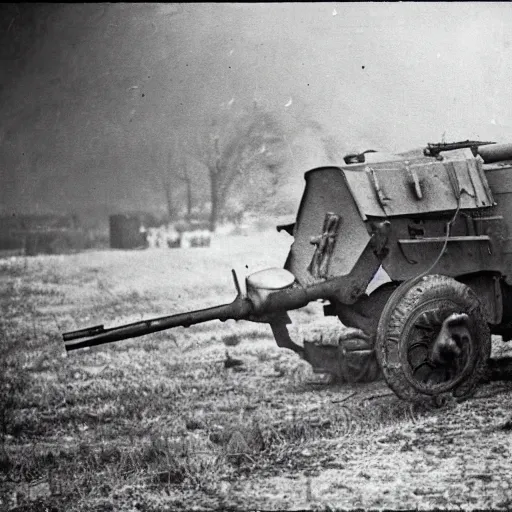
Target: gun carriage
[437,223]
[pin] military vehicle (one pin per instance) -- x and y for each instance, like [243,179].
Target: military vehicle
[436,222]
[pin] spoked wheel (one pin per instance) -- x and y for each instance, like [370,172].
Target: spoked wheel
[433,339]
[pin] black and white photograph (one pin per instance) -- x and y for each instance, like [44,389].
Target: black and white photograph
[255,256]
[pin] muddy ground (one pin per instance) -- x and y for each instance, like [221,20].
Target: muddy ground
[160,423]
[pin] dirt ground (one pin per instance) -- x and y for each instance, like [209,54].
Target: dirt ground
[160,422]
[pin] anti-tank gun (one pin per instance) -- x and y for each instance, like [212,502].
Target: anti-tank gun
[435,223]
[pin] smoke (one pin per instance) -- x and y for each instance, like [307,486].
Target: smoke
[90,92]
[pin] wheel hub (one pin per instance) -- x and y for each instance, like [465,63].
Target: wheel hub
[439,350]
[452,338]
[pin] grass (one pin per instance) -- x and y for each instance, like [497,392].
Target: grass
[118,414]
[158,423]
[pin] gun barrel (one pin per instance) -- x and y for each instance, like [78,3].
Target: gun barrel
[495,152]
[82,333]
[434,149]
[98,335]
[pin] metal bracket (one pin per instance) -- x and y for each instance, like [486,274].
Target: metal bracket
[381,196]
[416,184]
[325,243]
[380,236]
[282,336]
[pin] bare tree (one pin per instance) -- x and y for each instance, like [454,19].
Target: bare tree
[239,144]
[176,171]
[184,176]
[168,188]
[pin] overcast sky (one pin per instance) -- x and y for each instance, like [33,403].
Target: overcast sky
[89,110]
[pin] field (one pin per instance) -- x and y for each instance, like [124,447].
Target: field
[160,422]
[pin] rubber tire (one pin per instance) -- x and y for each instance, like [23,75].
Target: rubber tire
[405,301]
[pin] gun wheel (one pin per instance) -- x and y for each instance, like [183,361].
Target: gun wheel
[433,340]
